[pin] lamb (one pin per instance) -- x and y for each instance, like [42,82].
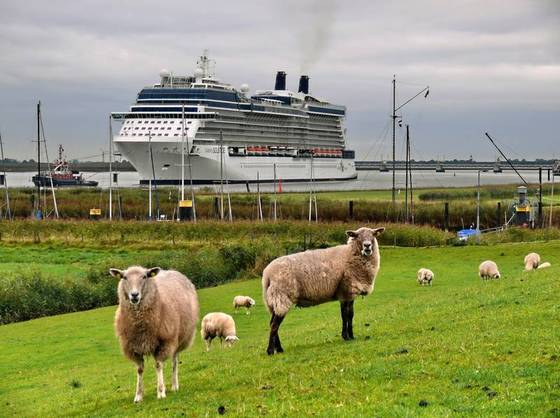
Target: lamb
[425,276]
[544,265]
[243,301]
[488,270]
[157,315]
[532,261]
[218,324]
[313,277]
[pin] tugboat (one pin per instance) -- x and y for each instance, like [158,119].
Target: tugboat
[62,175]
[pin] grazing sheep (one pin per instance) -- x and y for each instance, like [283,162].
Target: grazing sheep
[488,270]
[157,315]
[544,265]
[313,277]
[532,261]
[218,324]
[425,276]
[243,301]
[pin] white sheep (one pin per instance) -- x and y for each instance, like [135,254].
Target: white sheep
[218,324]
[425,276]
[544,265]
[156,316]
[532,261]
[313,277]
[488,270]
[243,301]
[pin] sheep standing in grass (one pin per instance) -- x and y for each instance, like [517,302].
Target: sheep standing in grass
[532,261]
[313,277]
[218,324]
[243,301]
[544,265]
[425,276]
[488,270]
[157,316]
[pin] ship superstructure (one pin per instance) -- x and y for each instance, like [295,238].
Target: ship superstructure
[229,136]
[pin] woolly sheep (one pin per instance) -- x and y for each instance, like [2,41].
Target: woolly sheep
[313,277]
[157,315]
[243,301]
[488,270]
[544,265]
[425,276]
[532,261]
[218,324]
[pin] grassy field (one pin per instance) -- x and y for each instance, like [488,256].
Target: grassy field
[462,348]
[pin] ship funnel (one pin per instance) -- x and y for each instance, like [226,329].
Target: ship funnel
[303,84]
[280,81]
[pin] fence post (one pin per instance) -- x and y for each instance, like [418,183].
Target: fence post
[351,209]
[499,214]
[446,217]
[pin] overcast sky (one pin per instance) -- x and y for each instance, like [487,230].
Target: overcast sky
[491,66]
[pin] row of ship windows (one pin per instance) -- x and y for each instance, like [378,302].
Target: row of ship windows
[146,134]
[153,121]
[149,127]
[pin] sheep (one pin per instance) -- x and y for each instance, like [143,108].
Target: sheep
[244,301]
[532,261]
[488,270]
[425,276]
[544,265]
[313,277]
[157,314]
[218,324]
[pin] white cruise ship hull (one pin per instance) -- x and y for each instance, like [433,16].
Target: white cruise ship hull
[208,168]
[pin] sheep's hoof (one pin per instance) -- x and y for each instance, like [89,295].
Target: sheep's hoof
[138,398]
[161,395]
[270,351]
[279,350]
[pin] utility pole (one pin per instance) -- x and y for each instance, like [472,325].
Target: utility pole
[426,91]
[8,210]
[221,177]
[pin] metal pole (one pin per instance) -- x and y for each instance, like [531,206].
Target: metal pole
[259,203]
[406,178]
[221,178]
[551,201]
[38,156]
[110,168]
[478,206]
[183,154]
[274,203]
[150,178]
[8,210]
[394,117]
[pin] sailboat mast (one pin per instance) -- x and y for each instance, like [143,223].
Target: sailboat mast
[38,156]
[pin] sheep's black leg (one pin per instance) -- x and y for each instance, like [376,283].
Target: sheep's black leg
[274,340]
[343,314]
[349,319]
[277,345]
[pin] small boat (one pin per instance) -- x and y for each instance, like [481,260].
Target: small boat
[62,175]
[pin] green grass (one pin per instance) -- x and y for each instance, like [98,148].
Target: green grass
[466,347]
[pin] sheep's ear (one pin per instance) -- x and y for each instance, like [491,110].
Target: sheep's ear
[119,274]
[153,272]
[352,234]
[378,231]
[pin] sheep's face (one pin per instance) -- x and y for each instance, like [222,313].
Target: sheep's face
[496,275]
[230,340]
[134,282]
[251,302]
[365,239]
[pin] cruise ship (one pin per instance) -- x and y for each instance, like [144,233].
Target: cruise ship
[196,128]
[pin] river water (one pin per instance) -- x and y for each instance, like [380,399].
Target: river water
[367,180]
